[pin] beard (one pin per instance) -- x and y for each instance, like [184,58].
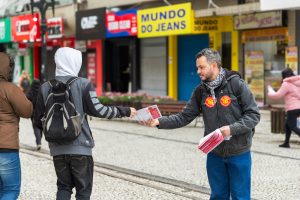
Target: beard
[209,77]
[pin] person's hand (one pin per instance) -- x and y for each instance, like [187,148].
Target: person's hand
[150,122]
[270,90]
[225,130]
[132,112]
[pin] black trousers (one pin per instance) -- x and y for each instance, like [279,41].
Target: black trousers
[291,124]
[38,134]
[74,171]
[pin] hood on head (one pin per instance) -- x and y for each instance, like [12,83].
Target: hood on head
[68,61]
[295,80]
[5,68]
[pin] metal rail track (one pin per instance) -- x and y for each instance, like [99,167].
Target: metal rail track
[173,186]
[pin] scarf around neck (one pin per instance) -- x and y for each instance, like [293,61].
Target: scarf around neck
[212,85]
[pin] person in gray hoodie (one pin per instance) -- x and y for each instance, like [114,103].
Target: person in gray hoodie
[227,104]
[73,162]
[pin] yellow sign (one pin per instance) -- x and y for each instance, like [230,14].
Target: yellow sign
[274,34]
[204,25]
[291,58]
[164,21]
[208,24]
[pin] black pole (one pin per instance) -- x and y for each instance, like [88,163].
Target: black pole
[44,50]
[42,6]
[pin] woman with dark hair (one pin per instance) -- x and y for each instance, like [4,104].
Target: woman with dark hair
[290,91]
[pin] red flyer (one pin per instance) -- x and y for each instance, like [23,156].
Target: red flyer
[210,141]
[154,112]
[150,112]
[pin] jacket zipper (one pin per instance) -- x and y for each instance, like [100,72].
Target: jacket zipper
[225,143]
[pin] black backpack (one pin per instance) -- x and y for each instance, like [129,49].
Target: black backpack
[61,121]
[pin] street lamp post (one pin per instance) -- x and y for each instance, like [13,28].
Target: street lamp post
[42,6]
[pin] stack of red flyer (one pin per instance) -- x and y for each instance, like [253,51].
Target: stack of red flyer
[211,141]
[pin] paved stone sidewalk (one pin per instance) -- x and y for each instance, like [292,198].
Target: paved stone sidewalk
[173,154]
[39,183]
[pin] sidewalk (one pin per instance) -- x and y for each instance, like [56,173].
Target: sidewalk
[171,154]
[39,183]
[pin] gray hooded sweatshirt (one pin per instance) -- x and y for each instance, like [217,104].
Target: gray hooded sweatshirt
[68,63]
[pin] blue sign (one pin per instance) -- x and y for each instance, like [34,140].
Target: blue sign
[121,24]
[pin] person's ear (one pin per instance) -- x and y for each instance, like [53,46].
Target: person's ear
[214,64]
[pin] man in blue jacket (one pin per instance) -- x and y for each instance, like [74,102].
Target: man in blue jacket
[227,104]
[73,161]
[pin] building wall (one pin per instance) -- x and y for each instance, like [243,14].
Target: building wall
[292,27]
[68,13]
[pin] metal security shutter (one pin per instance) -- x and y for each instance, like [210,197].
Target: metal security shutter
[154,66]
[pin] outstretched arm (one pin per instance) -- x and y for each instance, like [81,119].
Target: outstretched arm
[186,116]
[93,107]
[280,93]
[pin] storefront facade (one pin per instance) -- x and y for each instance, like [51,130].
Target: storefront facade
[121,66]
[158,29]
[25,31]
[90,32]
[207,32]
[263,44]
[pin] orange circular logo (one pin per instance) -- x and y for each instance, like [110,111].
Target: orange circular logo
[210,102]
[225,101]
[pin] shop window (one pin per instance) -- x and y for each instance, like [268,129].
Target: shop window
[281,45]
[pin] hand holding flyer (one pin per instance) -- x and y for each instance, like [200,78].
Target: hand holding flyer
[150,112]
[210,141]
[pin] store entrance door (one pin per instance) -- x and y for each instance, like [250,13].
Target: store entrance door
[188,47]
[120,65]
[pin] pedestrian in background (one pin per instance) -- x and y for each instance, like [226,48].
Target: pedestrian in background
[13,105]
[73,162]
[290,91]
[24,82]
[217,96]
[32,96]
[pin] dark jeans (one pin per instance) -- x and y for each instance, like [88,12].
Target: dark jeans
[74,171]
[291,124]
[229,177]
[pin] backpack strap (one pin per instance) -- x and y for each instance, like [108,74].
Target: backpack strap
[233,85]
[71,80]
[68,84]
[52,82]
[235,89]
[198,94]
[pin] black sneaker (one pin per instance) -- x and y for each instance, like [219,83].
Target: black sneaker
[284,145]
[38,147]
